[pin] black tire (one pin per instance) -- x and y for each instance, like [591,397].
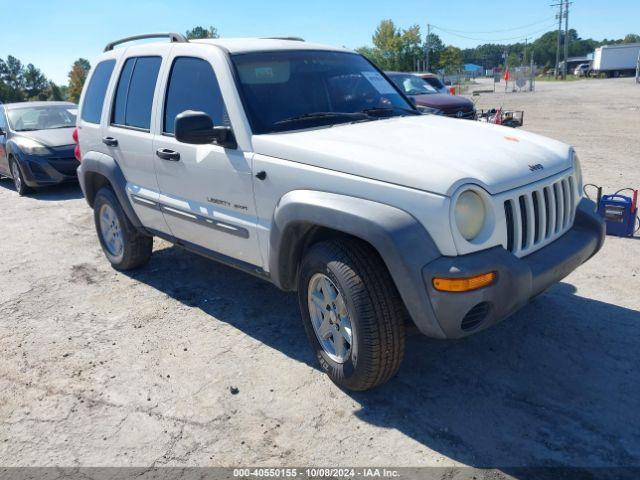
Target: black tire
[375,310]
[18,177]
[136,246]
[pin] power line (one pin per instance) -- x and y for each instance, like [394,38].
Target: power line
[494,40]
[499,31]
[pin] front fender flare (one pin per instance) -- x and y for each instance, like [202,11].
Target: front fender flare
[402,242]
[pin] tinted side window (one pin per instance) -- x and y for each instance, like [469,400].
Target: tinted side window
[193,86]
[120,102]
[94,98]
[3,123]
[134,95]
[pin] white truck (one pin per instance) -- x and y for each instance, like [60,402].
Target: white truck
[305,165]
[616,60]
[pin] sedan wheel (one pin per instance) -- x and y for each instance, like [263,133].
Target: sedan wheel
[18,181]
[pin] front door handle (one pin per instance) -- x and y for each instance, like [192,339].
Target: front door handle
[166,154]
[110,141]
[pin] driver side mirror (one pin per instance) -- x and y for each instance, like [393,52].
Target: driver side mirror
[2,132]
[197,128]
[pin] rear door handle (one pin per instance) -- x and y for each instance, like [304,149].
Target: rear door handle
[110,141]
[166,154]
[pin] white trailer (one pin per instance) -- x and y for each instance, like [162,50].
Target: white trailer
[616,60]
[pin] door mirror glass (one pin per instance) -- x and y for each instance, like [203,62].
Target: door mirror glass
[197,128]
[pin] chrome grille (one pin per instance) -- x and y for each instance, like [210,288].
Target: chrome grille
[539,216]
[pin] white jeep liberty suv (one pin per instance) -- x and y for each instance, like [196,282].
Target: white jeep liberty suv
[303,164]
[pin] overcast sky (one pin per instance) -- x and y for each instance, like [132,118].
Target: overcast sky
[52,34]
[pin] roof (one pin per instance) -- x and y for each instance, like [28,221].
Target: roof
[472,66]
[246,45]
[621,45]
[37,104]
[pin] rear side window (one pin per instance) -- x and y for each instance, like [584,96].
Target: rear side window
[193,86]
[134,94]
[94,97]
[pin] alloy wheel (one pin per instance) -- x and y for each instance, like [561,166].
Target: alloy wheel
[330,318]
[111,231]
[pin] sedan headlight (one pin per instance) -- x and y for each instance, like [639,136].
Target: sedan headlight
[470,214]
[31,147]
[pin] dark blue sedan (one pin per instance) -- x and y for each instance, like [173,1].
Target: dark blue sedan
[36,144]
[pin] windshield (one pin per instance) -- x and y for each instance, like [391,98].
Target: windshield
[412,85]
[434,82]
[26,119]
[292,90]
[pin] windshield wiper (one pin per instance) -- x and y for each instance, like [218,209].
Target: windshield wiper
[320,115]
[384,110]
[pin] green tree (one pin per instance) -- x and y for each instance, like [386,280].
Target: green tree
[451,60]
[12,80]
[77,77]
[35,83]
[411,48]
[394,48]
[201,32]
[436,47]
[54,92]
[387,40]
[631,38]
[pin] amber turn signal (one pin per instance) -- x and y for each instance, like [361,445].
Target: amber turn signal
[463,284]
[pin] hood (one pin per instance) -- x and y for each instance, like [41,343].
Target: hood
[56,137]
[426,152]
[445,102]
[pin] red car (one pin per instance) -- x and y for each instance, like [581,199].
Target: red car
[429,100]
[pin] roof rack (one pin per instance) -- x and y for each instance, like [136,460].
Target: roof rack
[293,39]
[174,37]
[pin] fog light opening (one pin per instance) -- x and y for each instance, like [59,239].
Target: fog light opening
[475,317]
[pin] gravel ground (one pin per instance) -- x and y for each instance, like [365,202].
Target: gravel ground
[187,362]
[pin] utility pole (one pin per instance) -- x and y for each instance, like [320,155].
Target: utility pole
[428,47]
[559,17]
[566,38]
[524,59]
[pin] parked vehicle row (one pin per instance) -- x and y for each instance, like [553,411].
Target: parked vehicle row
[307,166]
[430,100]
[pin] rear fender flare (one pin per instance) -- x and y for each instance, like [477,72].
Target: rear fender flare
[96,164]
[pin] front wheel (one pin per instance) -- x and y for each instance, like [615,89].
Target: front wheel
[352,313]
[18,178]
[124,246]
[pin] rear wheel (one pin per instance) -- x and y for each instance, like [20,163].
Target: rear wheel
[18,178]
[123,245]
[352,313]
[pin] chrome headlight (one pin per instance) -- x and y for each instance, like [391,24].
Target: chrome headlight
[30,146]
[470,214]
[433,111]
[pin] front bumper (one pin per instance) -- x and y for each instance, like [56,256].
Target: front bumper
[42,170]
[518,279]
